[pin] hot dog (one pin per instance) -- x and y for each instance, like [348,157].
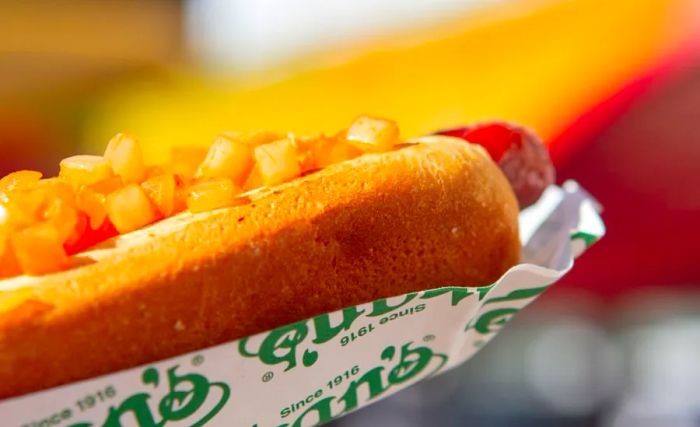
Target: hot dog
[329,222]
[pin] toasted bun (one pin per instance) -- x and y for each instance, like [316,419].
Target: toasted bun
[435,213]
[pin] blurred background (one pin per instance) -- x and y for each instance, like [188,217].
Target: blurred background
[612,86]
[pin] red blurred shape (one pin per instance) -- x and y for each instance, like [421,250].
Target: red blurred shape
[644,167]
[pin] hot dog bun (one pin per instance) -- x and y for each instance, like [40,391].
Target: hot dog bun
[439,212]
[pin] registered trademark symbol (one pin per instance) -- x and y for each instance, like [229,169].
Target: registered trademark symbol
[429,338]
[267,377]
[197,360]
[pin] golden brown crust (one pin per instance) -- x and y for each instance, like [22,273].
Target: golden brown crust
[435,213]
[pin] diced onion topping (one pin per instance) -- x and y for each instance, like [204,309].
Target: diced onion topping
[44,221]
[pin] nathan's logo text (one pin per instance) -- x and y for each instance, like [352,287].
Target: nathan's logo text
[399,367]
[284,345]
[190,397]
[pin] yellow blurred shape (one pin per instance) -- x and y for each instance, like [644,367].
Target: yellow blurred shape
[539,65]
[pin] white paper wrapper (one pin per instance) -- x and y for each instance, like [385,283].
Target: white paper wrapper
[322,368]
